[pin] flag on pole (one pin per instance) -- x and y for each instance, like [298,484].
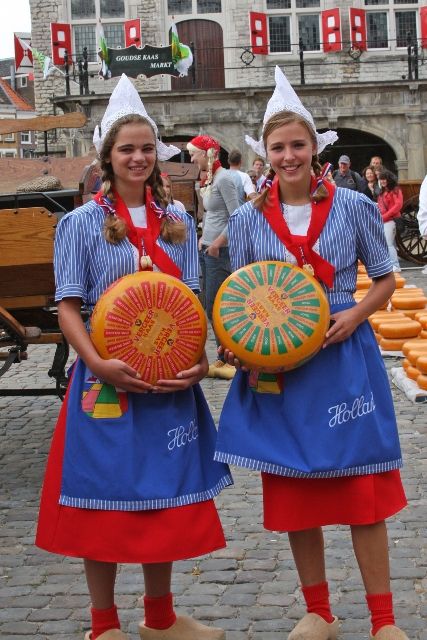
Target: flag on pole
[44,61]
[181,54]
[103,52]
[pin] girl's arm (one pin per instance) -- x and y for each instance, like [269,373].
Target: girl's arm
[113,371]
[346,322]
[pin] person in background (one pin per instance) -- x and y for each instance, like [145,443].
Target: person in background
[167,186]
[376,162]
[372,189]
[422,212]
[220,199]
[244,185]
[251,173]
[390,201]
[258,165]
[346,177]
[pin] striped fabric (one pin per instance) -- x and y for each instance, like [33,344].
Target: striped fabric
[86,264]
[354,230]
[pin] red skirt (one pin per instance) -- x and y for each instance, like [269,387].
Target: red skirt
[294,504]
[158,535]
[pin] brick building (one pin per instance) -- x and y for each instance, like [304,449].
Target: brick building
[13,105]
[356,71]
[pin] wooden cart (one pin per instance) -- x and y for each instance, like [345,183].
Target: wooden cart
[410,244]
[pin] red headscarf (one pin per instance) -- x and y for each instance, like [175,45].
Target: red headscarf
[205,143]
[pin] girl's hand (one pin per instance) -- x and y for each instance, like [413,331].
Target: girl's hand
[230,358]
[343,324]
[184,379]
[121,375]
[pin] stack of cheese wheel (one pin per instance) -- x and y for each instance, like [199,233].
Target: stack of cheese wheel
[272,315]
[415,362]
[151,321]
[381,317]
[409,300]
[396,330]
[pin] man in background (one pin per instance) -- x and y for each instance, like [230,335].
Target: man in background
[345,177]
[245,187]
[258,165]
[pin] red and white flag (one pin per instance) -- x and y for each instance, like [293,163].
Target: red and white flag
[23,53]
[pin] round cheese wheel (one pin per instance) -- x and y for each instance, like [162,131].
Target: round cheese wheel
[363,283]
[421,315]
[423,334]
[151,321]
[412,372]
[272,315]
[407,302]
[417,344]
[421,363]
[422,382]
[413,354]
[390,318]
[400,280]
[392,344]
[409,313]
[411,292]
[399,329]
[405,363]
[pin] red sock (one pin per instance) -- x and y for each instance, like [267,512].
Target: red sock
[104,620]
[159,613]
[317,600]
[381,607]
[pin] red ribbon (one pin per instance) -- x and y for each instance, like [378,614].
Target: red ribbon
[142,238]
[302,246]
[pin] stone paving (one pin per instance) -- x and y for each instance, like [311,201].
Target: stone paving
[250,588]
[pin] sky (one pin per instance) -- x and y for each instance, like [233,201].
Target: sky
[14,16]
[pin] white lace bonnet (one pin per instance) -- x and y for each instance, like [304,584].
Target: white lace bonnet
[284,98]
[124,101]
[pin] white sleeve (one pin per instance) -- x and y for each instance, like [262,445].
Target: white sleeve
[248,185]
[422,210]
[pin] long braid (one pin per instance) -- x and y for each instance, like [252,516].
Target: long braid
[260,199]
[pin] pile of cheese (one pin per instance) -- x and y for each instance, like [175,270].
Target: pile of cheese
[415,362]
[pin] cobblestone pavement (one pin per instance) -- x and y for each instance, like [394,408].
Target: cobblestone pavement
[250,588]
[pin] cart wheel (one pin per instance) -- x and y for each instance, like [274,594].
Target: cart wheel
[410,245]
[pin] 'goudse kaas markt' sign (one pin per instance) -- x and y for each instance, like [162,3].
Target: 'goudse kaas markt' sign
[148,61]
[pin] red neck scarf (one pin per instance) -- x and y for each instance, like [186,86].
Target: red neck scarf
[302,246]
[143,239]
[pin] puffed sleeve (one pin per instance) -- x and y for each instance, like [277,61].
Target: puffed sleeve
[190,267]
[240,236]
[71,260]
[371,245]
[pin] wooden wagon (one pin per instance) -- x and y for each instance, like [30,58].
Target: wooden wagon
[411,245]
[28,314]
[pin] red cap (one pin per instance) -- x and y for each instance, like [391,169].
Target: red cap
[205,143]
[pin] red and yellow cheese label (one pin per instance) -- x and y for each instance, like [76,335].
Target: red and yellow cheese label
[151,321]
[272,315]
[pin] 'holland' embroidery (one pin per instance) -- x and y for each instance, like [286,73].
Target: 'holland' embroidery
[342,413]
[182,436]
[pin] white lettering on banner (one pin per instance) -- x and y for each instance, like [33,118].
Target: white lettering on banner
[182,436]
[342,413]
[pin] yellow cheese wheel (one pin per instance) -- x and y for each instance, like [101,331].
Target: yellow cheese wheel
[412,372]
[414,354]
[399,329]
[151,321]
[422,382]
[378,337]
[407,302]
[405,363]
[391,344]
[417,344]
[363,283]
[390,318]
[409,313]
[410,292]
[272,315]
[421,315]
[423,334]
[400,280]
[421,363]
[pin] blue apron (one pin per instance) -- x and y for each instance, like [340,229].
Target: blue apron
[333,417]
[129,452]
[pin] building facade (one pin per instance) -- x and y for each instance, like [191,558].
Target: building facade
[14,106]
[348,60]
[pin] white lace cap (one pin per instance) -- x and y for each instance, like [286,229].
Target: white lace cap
[284,98]
[125,100]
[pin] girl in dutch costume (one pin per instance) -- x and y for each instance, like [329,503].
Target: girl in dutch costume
[326,440]
[130,476]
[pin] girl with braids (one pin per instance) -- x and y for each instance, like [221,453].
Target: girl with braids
[326,439]
[118,487]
